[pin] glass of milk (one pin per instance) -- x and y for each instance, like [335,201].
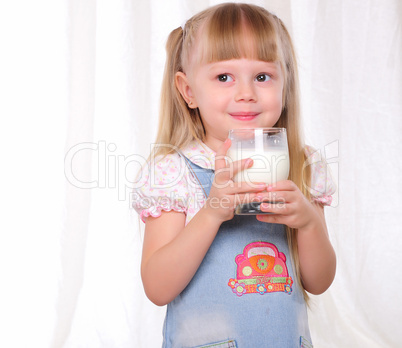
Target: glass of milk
[268,148]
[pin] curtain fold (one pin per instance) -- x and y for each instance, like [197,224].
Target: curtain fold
[80,84]
[81,59]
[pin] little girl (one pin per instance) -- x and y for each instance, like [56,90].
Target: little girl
[230,280]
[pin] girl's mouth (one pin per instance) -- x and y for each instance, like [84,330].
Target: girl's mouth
[244,116]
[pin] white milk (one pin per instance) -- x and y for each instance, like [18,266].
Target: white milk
[269,166]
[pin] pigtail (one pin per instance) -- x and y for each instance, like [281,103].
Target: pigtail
[178,124]
[169,92]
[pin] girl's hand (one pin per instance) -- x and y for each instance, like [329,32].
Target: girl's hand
[316,255]
[289,206]
[225,194]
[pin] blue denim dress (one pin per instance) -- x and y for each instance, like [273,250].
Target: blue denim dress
[244,293]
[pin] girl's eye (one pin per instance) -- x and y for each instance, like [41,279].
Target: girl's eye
[224,78]
[263,77]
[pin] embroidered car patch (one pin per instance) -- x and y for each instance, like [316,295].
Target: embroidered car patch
[261,269]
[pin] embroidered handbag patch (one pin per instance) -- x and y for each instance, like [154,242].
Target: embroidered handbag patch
[261,269]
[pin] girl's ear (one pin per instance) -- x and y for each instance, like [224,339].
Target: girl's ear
[184,88]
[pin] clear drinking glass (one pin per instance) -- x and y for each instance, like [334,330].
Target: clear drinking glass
[268,148]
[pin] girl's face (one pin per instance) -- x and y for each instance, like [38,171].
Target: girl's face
[236,93]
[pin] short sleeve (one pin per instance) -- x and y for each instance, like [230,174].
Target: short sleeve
[322,185]
[160,186]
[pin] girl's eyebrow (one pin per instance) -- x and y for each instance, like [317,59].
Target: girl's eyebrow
[227,64]
[214,67]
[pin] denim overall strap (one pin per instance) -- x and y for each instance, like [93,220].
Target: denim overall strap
[205,177]
[244,293]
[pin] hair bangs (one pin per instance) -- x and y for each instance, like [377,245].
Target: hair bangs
[239,32]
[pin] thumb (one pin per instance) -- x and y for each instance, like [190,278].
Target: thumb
[220,157]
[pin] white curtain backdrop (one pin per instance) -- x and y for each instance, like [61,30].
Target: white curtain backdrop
[79,95]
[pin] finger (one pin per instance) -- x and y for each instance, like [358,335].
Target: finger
[278,208]
[225,170]
[271,218]
[232,168]
[243,187]
[276,197]
[220,157]
[222,170]
[283,185]
[234,188]
[238,166]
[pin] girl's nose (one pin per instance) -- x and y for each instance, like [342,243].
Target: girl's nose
[246,92]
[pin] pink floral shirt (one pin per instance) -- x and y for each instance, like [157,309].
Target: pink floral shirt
[166,184]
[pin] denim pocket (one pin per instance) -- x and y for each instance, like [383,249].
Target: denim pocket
[305,343]
[222,344]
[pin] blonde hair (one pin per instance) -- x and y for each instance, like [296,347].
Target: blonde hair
[223,37]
